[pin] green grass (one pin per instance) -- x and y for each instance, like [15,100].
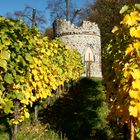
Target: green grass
[29,131]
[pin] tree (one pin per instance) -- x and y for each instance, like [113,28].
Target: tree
[123,73]
[62,9]
[49,33]
[106,14]
[31,16]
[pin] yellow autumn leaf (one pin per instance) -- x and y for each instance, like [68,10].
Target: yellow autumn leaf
[136,84]
[129,20]
[132,102]
[34,84]
[132,31]
[44,85]
[31,66]
[39,84]
[36,78]
[16,86]
[41,77]
[48,92]
[21,118]
[46,79]
[129,49]
[138,106]
[126,73]
[48,52]
[24,101]
[37,96]
[27,95]
[35,59]
[15,122]
[136,74]
[136,45]
[44,95]
[135,15]
[133,94]
[27,115]
[115,29]
[34,71]
[33,98]
[137,32]
[133,111]
[39,41]
[43,50]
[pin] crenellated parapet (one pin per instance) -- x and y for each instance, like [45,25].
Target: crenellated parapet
[63,27]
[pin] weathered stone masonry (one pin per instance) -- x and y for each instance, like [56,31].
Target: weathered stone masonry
[86,39]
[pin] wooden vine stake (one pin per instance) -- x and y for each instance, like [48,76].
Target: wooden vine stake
[132,130]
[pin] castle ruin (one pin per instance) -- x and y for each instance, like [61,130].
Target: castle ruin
[84,38]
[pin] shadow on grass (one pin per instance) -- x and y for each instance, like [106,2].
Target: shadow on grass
[81,113]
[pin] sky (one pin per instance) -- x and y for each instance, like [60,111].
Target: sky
[16,5]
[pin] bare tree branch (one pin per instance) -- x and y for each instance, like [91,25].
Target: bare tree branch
[75,13]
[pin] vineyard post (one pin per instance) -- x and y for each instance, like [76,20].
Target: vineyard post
[35,120]
[132,129]
[15,126]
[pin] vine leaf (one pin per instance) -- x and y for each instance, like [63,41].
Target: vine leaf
[8,78]
[3,64]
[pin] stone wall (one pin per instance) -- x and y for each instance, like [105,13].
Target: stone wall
[84,38]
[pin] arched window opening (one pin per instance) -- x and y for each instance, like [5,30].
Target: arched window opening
[88,59]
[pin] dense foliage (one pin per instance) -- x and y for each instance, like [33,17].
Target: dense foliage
[31,67]
[122,74]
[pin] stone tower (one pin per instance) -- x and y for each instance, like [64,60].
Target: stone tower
[84,38]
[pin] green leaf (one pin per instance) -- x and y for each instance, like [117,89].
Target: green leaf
[1,79]
[16,47]
[16,95]
[14,72]
[13,55]
[2,46]
[21,60]
[20,96]
[124,9]
[28,57]
[5,54]
[8,78]
[7,42]
[19,78]
[137,6]
[3,64]
[44,61]
[1,103]
[2,88]
[28,75]
[8,106]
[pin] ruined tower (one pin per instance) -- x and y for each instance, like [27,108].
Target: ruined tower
[84,38]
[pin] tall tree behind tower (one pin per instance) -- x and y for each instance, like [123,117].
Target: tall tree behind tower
[62,9]
[106,14]
[67,9]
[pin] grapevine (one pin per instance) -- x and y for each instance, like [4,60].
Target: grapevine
[31,66]
[123,74]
